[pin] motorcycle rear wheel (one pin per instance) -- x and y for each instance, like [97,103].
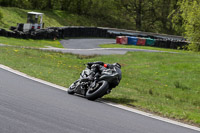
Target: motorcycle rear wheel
[99,92]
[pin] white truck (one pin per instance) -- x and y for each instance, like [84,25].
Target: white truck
[34,22]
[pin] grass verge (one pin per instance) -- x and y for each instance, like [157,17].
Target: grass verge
[164,83]
[52,18]
[140,47]
[30,42]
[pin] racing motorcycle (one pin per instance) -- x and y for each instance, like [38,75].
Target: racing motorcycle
[93,88]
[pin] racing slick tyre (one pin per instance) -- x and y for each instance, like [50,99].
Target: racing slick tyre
[98,91]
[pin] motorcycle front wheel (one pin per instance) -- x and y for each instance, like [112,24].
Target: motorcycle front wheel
[72,87]
[98,91]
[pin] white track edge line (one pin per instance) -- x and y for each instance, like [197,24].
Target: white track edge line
[152,116]
[108,103]
[32,78]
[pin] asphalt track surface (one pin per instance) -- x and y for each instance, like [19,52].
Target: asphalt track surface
[91,47]
[85,43]
[27,106]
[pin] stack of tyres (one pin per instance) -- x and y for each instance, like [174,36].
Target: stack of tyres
[94,32]
[100,32]
[124,40]
[150,42]
[80,31]
[85,32]
[77,32]
[103,33]
[65,32]
[3,32]
[157,43]
[132,40]
[141,41]
[71,32]
[121,40]
[60,32]
[168,44]
[174,45]
[162,43]
[118,39]
[10,34]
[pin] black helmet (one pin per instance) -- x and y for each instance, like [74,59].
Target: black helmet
[117,65]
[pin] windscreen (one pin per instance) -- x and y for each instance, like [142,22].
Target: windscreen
[31,18]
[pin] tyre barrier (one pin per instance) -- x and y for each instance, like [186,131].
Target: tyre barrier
[38,34]
[57,32]
[162,43]
[100,32]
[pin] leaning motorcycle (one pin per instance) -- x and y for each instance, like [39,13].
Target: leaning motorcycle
[93,89]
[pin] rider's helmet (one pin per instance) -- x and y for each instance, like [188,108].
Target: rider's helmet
[95,68]
[117,65]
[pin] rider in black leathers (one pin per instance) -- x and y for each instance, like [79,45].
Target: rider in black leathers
[98,67]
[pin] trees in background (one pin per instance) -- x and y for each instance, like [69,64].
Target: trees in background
[1,15]
[149,15]
[180,17]
[191,18]
[145,15]
[186,21]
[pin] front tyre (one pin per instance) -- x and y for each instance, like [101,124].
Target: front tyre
[100,89]
[72,88]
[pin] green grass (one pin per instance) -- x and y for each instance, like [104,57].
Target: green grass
[140,47]
[52,18]
[30,42]
[164,83]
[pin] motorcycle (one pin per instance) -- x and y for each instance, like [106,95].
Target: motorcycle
[92,88]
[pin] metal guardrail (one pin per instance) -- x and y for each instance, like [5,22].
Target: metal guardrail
[141,33]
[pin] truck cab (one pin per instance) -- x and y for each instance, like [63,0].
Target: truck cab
[34,22]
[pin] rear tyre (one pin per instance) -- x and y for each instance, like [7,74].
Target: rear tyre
[101,89]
